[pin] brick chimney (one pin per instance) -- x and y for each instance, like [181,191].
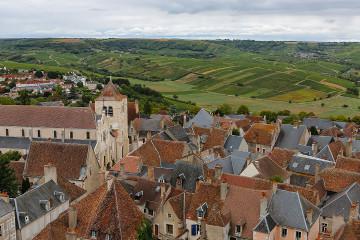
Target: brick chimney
[314,148]
[263,204]
[354,212]
[217,172]
[50,173]
[223,190]
[348,147]
[72,218]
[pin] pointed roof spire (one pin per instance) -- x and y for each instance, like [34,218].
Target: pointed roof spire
[110,93]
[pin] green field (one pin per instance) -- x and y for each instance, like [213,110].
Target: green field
[263,75]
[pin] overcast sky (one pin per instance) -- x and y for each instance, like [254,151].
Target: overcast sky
[318,20]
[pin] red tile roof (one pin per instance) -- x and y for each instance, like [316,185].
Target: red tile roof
[70,188]
[247,182]
[132,164]
[261,133]
[332,132]
[51,117]
[110,92]
[350,164]
[336,148]
[268,169]
[133,111]
[281,156]
[336,179]
[351,231]
[68,159]
[215,136]
[148,153]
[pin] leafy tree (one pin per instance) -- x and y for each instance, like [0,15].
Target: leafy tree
[236,132]
[53,74]
[313,130]
[24,98]
[11,155]
[39,74]
[277,178]
[7,101]
[284,113]
[243,110]
[80,84]
[12,84]
[144,232]
[270,116]
[224,109]
[7,177]
[356,119]
[147,107]
[25,185]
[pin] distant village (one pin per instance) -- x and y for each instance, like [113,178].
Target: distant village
[108,171]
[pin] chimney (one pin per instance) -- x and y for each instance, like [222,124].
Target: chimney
[50,173]
[72,218]
[101,176]
[348,148]
[354,212]
[317,172]
[274,187]
[122,168]
[309,215]
[184,120]
[314,148]
[263,204]
[223,190]
[162,189]
[4,196]
[217,172]
[150,173]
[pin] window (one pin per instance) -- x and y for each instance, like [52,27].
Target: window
[108,237]
[39,133]
[258,149]
[195,229]
[87,135]
[105,110]
[27,219]
[55,134]
[263,150]
[71,135]
[151,212]
[238,230]
[110,111]
[324,227]
[7,132]
[0,230]
[169,229]
[298,235]
[283,232]
[93,234]
[169,215]
[23,132]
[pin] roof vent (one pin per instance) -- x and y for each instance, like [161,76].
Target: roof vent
[60,196]
[45,204]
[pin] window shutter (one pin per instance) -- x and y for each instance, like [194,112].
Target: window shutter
[193,230]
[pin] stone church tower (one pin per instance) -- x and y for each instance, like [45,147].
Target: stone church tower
[112,125]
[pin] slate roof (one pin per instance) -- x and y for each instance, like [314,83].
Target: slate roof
[175,133]
[317,122]
[265,225]
[70,160]
[191,173]
[233,142]
[28,204]
[322,141]
[201,119]
[307,165]
[51,117]
[233,164]
[340,203]
[236,116]
[24,143]
[289,136]
[289,209]
[5,208]
[355,144]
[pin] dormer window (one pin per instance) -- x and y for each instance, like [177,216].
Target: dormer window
[45,204]
[138,195]
[110,111]
[60,196]
[238,230]
[93,234]
[201,211]
[161,179]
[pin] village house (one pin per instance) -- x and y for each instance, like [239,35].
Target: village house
[7,219]
[74,162]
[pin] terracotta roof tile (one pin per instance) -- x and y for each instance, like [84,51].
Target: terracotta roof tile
[215,136]
[110,92]
[71,189]
[245,124]
[351,231]
[281,156]
[267,168]
[247,182]
[132,164]
[148,153]
[350,164]
[336,148]
[336,179]
[170,151]
[69,159]
[261,133]
[332,131]
[42,116]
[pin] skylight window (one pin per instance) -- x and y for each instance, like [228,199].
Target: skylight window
[307,167]
[295,164]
